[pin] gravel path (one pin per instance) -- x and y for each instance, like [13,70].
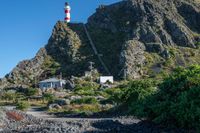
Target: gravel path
[49,124]
[39,113]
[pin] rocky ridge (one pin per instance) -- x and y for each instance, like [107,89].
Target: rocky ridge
[134,37]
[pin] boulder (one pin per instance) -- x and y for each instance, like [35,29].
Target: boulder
[54,106]
[75,97]
[62,102]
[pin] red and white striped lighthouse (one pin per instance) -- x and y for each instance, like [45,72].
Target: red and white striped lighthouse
[67,12]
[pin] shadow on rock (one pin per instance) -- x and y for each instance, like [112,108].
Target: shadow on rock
[109,126]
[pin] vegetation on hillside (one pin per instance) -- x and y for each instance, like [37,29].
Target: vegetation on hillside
[174,103]
[22,105]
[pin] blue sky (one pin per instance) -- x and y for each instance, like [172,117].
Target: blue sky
[26,25]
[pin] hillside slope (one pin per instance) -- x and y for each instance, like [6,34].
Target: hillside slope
[135,38]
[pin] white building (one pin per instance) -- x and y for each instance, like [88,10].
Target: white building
[52,83]
[106,79]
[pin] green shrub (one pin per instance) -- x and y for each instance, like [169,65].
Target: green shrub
[198,44]
[85,100]
[31,92]
[115,95]
[177,102]
[84,109]
[179,98]
[138,90]
[22,106]
[90,108]
[50,65]
[49,97]
[84,85]
[86,88]
[136,93]
[169,62]
[9,96]
[85,92]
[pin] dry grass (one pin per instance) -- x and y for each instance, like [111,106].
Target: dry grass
[198,1]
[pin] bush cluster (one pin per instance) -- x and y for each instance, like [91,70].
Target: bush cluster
[176,103]
[49,97]
[86,88]
[85,100]
[114,96]
[9,96]
[178,100]
[22,106]
[31,92]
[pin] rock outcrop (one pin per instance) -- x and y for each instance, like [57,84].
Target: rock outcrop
[24,74]
[132,37]
[132,59]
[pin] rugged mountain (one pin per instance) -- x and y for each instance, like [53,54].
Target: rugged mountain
[132,38]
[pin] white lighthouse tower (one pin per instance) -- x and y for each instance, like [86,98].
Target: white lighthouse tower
[67,12]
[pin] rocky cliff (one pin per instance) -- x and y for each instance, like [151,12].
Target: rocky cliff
[134,38]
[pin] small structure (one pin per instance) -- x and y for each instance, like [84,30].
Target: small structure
[67,13]
[106,79]
[52,83]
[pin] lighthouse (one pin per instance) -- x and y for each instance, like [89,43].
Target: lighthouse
[67,12]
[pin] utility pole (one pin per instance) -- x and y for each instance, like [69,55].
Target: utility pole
[125,73]
[35,79]
[60,76]
[91,67]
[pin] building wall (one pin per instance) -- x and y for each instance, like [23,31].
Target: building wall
[54,85]
[104,79]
